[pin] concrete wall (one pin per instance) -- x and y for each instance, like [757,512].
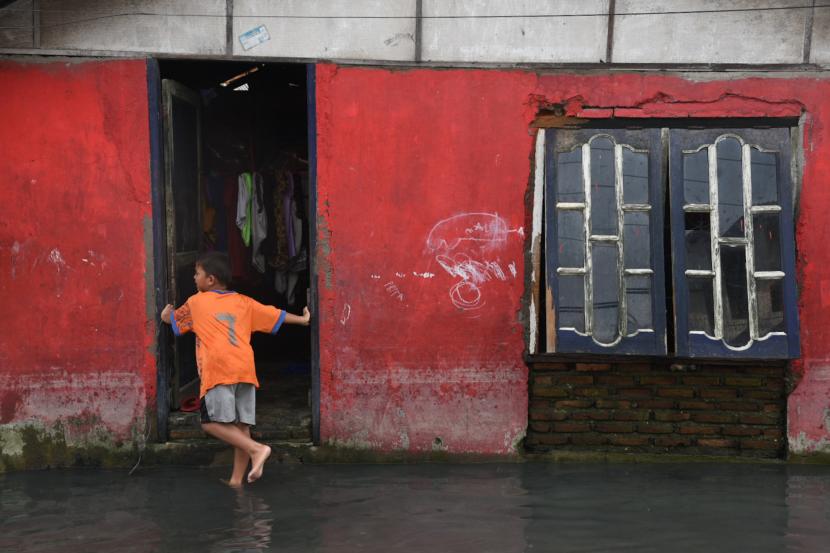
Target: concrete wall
[422,217]
[464,31]
[580,37]
[820,45]
[390,39]
[775,36]
[77,363]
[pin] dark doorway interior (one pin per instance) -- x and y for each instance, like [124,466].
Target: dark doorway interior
[254,121]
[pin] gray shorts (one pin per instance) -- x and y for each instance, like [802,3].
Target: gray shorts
[230,403]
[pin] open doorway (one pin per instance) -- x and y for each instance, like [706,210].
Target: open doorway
[229,126]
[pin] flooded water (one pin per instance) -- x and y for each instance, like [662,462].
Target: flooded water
[430,508]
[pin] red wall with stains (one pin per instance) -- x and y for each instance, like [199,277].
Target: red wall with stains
[422,178]
[75,349]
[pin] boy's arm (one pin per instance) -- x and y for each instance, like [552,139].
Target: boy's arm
[180,319]
[303,319]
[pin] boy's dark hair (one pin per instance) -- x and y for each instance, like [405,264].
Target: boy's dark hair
[217,265]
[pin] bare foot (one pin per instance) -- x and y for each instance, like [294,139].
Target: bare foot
[231,483]
[258,463]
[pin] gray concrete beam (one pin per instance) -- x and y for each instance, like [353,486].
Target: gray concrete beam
[580,37]
[312,29]
[156,26]
[820,45]
[16,25]
[751,37]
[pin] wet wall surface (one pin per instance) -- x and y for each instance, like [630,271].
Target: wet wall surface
[435,508]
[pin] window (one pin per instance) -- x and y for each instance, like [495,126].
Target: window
[726,233]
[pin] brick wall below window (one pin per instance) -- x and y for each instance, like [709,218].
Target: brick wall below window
[730,410]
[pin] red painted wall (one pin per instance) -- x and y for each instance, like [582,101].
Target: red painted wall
[75,349]
[422,178]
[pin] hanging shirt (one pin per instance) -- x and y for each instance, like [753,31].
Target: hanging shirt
[223,322]
[259,225]
[244,217]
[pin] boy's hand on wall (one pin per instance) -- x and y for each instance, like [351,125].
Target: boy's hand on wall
[166,312]
[306,316]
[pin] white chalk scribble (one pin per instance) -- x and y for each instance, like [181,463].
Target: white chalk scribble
[465,246]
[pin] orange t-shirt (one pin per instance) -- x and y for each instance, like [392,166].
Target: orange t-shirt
[223,322]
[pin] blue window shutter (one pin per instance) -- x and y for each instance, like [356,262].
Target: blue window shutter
[731,190]
[604,262]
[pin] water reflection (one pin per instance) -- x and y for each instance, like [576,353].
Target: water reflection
[251,527]
[447,508]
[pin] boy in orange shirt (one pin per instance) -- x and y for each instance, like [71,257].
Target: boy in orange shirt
[223,322]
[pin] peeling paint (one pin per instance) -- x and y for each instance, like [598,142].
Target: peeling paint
[458,163]
[78,224]
[802,445]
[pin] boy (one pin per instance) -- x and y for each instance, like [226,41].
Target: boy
[223,322]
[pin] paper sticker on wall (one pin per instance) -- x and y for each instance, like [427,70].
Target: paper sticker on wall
[254,37]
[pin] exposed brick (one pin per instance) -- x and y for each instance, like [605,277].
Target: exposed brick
[571,427]
[575,379]
[573,403]
[703,429]
[615,427]
[550,391]
[632,415]
[671,416]
[660,379]
[739,406]
[752,443]
[770,371]
[629,440]
[743,381]
[593,415]
[656,404]
[542,380]
[774,384]
[613,404]
[714,417]
[676,392]
[716,442]
[773,433]
[593,367]
[590,392]
[635,392]
[552,439]
[616,380]
[540,426]
[716,409]
[701,380]
[551,367]
[672,441]
[741,430]
[635,367]
[589,439]
[696,405]
[761,394]
[718,393]
[759,418]
[655,428]
[541,415]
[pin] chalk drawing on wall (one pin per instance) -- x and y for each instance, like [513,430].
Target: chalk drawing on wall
[347,312]
[393,291]
[466,246]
